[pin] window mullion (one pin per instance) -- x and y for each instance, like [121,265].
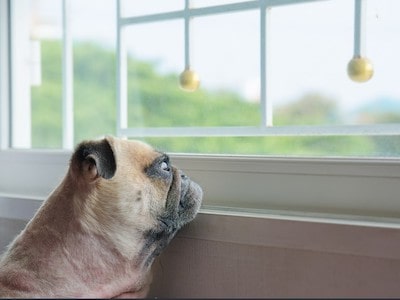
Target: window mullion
[67,75]
[5,74]
[265,102]
[122,75]
[187,34]
[20,81]
[359,28]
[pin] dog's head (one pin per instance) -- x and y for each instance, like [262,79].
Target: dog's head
[133,194]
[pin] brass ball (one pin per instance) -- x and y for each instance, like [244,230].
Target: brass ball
[360,69]
[189,80]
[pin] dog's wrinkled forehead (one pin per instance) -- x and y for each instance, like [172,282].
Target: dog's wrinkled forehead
[134,154]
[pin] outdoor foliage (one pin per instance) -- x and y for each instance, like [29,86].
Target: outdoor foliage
[155,99]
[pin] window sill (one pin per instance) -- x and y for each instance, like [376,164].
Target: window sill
[23,207]
[360,190]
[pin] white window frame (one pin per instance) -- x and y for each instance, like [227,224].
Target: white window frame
[4,76]
[330,189]
[334,190]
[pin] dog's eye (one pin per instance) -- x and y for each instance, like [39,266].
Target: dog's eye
[165,166]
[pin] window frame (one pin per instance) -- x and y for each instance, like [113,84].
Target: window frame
[317,188]
[5,74]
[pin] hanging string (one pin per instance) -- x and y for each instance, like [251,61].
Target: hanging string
[188,79]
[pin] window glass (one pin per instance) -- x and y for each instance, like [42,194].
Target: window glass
[155,57]
[229,89]
[45,68]
[311,45]
[380,102]
[94,85]
[225,53]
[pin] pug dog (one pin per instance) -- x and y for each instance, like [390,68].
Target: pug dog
[98,233]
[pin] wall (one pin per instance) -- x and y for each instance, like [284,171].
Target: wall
[253,256]
[230,256]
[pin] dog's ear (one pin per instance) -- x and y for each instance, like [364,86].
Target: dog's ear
[95,159]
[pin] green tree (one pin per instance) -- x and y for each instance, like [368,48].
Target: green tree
[47,100]
[154,99]
[310,109]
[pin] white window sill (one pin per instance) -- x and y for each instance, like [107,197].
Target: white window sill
[323,190]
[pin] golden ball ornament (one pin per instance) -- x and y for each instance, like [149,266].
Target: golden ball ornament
[360,69]
[189,80]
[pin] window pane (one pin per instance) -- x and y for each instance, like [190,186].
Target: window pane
[229,90]
[379,102]
[93,71]
[311,45]
[155,58]
[46,73]
[93,29]
[226,55]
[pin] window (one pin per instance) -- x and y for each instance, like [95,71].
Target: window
[62,67]
[286,65]
[279,75]
[274,105]
[272,76]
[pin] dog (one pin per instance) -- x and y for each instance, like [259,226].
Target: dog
[98,233]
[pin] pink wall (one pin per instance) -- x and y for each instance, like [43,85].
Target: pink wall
[333,260]
[232,256]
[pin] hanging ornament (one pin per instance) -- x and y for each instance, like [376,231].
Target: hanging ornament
[359,68]
[188,80]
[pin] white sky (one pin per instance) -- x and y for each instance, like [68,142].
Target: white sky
[311,45]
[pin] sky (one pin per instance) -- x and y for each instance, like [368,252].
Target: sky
[309,45]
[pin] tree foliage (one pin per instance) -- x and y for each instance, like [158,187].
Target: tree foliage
[155,100]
